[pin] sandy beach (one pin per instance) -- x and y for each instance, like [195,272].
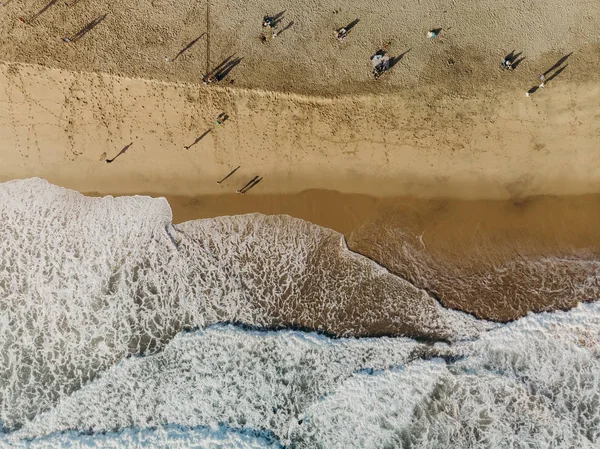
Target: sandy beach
[446,126]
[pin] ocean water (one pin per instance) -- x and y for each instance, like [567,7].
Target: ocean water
[120,329]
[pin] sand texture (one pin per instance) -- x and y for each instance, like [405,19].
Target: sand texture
[134,38]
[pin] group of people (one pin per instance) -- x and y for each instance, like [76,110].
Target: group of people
[269,23]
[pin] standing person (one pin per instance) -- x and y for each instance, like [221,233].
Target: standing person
[341,35]
[506,64]
[268,22]
[221,118]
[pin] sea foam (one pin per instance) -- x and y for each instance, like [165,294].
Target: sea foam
[96,295]
[534,383]
[86,282]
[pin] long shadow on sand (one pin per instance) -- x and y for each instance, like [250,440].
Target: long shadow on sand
[89,27]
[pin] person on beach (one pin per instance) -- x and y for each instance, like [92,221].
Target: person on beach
[208,79]
[268,22]
[432,34]
[341,35]
[221,118]
[506,64]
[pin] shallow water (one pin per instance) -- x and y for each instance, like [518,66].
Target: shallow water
[97,295]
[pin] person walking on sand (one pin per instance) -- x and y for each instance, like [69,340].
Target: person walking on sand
[247,185]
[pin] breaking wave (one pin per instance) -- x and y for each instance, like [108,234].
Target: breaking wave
[86,282]
[534,383]
[109,337]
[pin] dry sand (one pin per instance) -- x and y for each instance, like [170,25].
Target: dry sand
[59,125]
[135,36]
[333,146]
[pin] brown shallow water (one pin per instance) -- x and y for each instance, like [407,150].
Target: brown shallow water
[495,259]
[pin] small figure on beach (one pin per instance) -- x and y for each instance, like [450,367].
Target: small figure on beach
[208,79]
[341,35]
[432,34]
[506,64]
[221,118]
[380,61]
[511,60]
[67,39]
[269,22]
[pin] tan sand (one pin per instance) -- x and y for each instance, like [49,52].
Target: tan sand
[305,114]
[61,125]
[135,37]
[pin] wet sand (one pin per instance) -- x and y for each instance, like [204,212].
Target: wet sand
[496,259]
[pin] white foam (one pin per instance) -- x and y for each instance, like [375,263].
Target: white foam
[85,282]
[171,437]
[220,375]
[533,383]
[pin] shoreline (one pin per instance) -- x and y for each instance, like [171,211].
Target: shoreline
[514,256]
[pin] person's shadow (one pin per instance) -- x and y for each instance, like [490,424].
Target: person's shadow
[351,25]
[227,68]
[558,63]
[277,18]
[555,74]
[188,46]
[397,59]
[108,161]
[89,27]
[287,27]
[41,11]
[198,139]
